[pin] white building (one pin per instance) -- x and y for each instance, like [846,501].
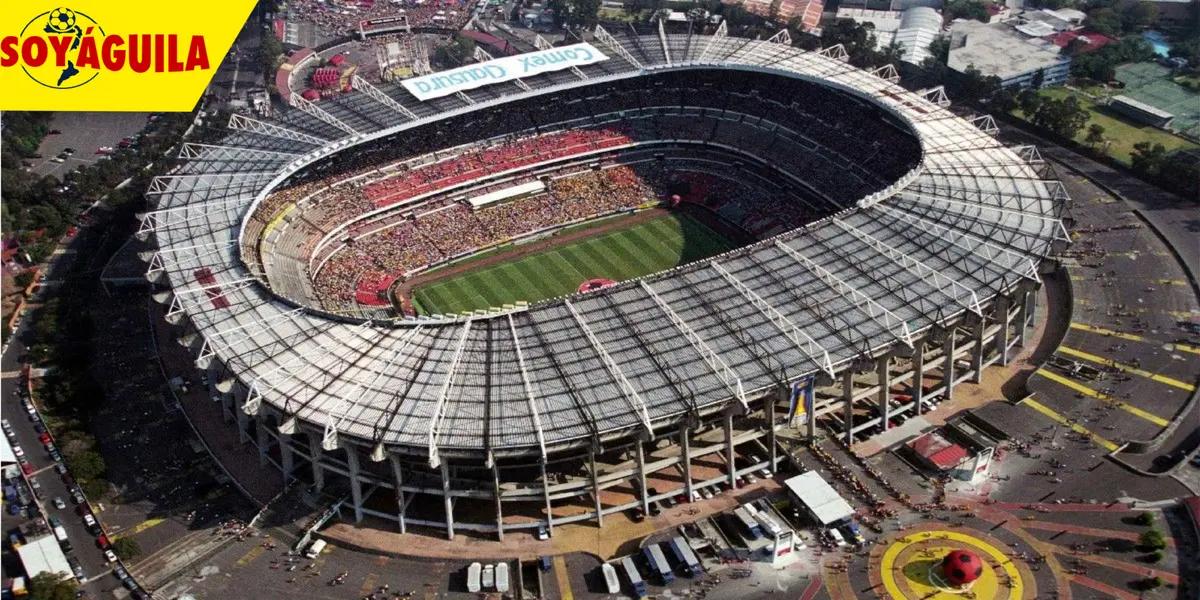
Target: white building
[1001,51]
[913,28]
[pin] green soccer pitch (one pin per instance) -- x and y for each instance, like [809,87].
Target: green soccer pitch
[641,249]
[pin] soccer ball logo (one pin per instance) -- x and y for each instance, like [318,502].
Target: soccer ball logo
[61,20]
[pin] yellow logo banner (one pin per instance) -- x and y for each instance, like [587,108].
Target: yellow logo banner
[113,55]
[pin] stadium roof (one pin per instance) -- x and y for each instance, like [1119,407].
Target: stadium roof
[43,555]
[821,499]
[971,222]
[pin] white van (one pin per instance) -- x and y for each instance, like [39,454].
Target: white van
[610,578]
[837,536]
[314,549]
[488,579]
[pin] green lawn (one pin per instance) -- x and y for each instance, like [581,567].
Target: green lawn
[1122,134]
[642,249]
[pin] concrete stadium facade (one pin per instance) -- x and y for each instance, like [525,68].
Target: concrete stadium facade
[931,278]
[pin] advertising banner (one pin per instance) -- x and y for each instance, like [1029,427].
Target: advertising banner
[445,83]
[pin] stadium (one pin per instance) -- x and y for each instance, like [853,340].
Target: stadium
[726,239]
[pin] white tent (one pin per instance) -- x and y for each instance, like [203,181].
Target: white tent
[819,498]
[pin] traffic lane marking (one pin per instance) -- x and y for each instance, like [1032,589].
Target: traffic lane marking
[1105,398]
[1183,385]
[1061,420]
[136,529]
[1134,338]
[564,582]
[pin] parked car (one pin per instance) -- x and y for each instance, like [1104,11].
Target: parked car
[109,556]
[58,503]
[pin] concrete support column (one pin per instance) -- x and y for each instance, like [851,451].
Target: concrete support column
[1028,300]
[848,398]
[730,464]
[243,421]
[1003,304]
[355,483]
[948,366]
[263,439]
[227,408]
[883,398]
[977,355]
[685,447]
[398,477]
[918,390]
[449,502]
[499,508]
[772,456]
[315,455]
[546,496]
[596,487]
[641,468]
[286,457]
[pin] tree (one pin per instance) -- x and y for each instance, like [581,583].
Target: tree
[971,86]
[1038,78]
[1152,539]
[126,548]
[1063,118]
[575,13]
[1143,518]
[1105,21]
[52,586]
[1095,139]
[1137,16]
[1147,159]
[965,9]
[1004,100]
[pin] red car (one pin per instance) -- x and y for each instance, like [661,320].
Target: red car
[102,541]
[45,438]
[26,468]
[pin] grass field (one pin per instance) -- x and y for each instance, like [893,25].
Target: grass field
[1121,134]
[641,249]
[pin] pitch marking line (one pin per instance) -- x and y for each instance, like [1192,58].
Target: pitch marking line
[1087,391]
[1183,385]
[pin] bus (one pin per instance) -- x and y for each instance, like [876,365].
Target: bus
[314,550]
[502,577]
[751,526]
[635,578]
[610,578]
[683,553]
[658,563]
[769,527]
[473,572]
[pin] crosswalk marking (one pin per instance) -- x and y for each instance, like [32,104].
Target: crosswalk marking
[1077,428]
[1134,338]
[1183,385]
[1087,391]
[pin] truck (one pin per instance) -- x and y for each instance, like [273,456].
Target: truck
[315,548]
[611,581]
[635,579]
[60,534]
[683,553]
[658,563]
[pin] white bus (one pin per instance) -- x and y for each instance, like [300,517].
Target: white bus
[610,578]
[315,548]
[502,577]
[473,577]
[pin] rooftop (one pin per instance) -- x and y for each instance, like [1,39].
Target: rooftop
[998,50]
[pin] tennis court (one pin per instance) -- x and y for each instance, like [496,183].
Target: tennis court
[1151,83]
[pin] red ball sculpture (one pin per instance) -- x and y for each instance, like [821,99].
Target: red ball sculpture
[961,567]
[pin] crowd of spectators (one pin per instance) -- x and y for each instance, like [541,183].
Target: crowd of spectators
[337,18]
[366,267]
[837,149]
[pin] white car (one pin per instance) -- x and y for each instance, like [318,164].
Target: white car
[108,554]
[706,494]
[489,576]
[18,452]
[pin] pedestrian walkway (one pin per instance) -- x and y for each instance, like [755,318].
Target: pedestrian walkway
[562,576]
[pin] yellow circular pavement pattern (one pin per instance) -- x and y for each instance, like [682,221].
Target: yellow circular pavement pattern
[910,568]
